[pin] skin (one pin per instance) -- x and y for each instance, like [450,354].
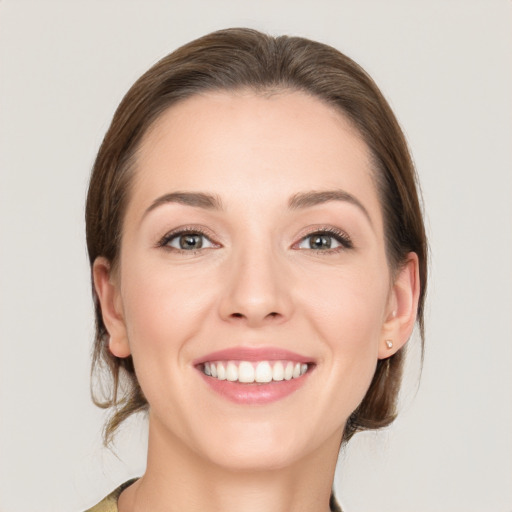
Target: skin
[256,282]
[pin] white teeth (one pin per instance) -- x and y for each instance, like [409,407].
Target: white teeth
[288,372]
[231,372]
[278,371]
[263,372]
[248,372]
[221,371]
[245,372]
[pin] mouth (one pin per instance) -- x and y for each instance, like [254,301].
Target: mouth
[254,376]
[249,372]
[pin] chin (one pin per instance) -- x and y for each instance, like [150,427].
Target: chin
[254,458]
[260,447]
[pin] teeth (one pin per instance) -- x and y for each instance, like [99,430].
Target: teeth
[231,372]
[263,372]
[249,372]
[221,371]
[245,372]
[288,372]
[278,371]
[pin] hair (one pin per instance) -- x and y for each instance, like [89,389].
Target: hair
[236,59]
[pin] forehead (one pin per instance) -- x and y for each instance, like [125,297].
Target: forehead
[246,145]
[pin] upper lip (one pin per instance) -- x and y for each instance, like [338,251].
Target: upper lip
[253,354]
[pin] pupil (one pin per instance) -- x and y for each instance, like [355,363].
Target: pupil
[320,242]
[190,242]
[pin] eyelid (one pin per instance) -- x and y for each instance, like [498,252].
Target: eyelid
[200,230]
[341,236]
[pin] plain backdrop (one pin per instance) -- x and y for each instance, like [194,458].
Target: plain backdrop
[445,67]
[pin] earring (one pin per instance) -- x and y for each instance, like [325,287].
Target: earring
[389,344]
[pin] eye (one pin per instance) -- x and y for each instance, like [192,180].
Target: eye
[186,240]
[325,240]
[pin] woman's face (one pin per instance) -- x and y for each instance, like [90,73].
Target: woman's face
[252,248]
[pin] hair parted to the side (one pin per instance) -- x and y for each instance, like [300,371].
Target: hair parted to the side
[246,59]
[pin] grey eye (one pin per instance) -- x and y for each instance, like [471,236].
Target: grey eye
[189,241]
[319,241]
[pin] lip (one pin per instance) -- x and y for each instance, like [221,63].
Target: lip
[253,354]
[254,393]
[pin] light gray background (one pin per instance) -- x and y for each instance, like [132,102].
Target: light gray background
[445,67]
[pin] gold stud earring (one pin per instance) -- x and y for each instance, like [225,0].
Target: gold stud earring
[389,344]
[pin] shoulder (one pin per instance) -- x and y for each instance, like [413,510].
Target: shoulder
[109,503]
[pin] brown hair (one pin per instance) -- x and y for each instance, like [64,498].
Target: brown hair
[243,58]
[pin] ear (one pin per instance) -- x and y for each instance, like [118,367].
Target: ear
[111,307]
[401,308]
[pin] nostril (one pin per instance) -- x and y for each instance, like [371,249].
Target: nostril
[241,315]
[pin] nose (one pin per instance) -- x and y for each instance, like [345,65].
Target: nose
[257,289]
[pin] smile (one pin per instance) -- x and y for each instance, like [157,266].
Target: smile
[248,372]
[255,376]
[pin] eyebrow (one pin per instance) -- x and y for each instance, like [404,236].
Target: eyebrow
[196,199]
[298,201]
[308,199]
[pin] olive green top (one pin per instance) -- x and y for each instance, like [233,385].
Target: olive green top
[109,504]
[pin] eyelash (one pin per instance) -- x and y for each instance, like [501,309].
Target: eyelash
[340,236]
[164,241]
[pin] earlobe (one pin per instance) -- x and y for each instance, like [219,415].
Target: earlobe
[402,308]
[109,298]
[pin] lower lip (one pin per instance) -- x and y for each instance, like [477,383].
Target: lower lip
[254,393]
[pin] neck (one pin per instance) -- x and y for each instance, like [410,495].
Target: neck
[179,480]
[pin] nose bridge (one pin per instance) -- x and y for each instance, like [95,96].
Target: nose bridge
[256,283]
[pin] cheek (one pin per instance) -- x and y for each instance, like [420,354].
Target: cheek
[347,306]
[163,309]
[347,312]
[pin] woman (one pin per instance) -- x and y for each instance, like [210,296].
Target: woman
[259,262]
